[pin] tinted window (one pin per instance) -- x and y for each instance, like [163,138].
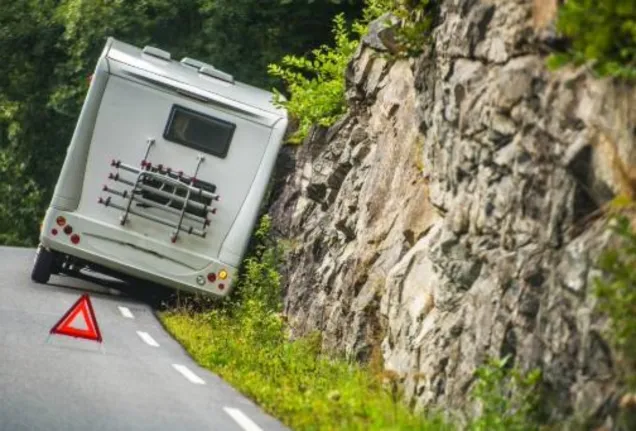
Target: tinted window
[198,131]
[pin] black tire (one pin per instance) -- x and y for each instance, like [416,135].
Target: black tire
[43,265]
[56,266]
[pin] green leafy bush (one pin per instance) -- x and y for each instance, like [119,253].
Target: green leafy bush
[600,32]
[414,22]
[317,86]
[508,399]
[260,279]
[616,293]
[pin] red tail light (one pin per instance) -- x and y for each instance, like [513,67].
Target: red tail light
[75,239]
[61,221]
[221,286]
[211,277]
[68,229]
[53,231]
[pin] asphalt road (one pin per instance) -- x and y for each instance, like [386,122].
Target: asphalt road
[139,378]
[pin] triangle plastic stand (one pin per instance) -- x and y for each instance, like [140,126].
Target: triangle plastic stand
[83,308]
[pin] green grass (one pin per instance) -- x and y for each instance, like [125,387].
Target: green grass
[290,380]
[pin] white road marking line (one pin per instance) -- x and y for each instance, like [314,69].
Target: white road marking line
[147,339]
[245,422]
[188,374]
[126,312]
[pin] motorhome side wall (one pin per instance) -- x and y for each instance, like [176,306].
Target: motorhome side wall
[68,190]
[236,242]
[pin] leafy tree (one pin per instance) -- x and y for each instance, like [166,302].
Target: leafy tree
[29,129]
[601,32]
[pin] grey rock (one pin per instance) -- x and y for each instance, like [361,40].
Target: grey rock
[377,28]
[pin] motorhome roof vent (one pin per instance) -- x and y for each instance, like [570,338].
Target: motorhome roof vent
[156,52]
[215,73]
[191,62]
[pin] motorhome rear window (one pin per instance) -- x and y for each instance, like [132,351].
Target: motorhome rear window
[198,131]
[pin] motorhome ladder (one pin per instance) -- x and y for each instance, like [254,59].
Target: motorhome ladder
[183,201]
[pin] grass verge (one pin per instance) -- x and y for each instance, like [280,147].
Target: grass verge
[290,380]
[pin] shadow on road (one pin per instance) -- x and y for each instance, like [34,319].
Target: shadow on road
[158,297]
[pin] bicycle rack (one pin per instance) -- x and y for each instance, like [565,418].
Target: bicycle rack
[179,196]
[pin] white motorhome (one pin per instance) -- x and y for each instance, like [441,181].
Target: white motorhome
[165,173]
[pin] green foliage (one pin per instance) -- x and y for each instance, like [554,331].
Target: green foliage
[617,294]
[601,32]
[260,279]
[317,86]
[316,83]
[22,200]
[415,21]
[508,398]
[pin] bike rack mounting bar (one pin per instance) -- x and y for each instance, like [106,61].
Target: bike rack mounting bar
[124,194]
[188,229]
[175,181]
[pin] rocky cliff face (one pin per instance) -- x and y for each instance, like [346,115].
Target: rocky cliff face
[454,213]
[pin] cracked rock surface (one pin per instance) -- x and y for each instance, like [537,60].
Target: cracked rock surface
[453,213]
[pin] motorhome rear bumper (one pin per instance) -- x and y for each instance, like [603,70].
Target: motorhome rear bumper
[162,271]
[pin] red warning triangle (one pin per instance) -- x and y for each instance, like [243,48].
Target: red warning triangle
[81,312]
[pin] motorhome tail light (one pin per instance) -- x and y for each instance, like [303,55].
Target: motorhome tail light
[68,229]
[222,274]
[53,231]
[75,239]
[221,286]
[61,221]
[211,277]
